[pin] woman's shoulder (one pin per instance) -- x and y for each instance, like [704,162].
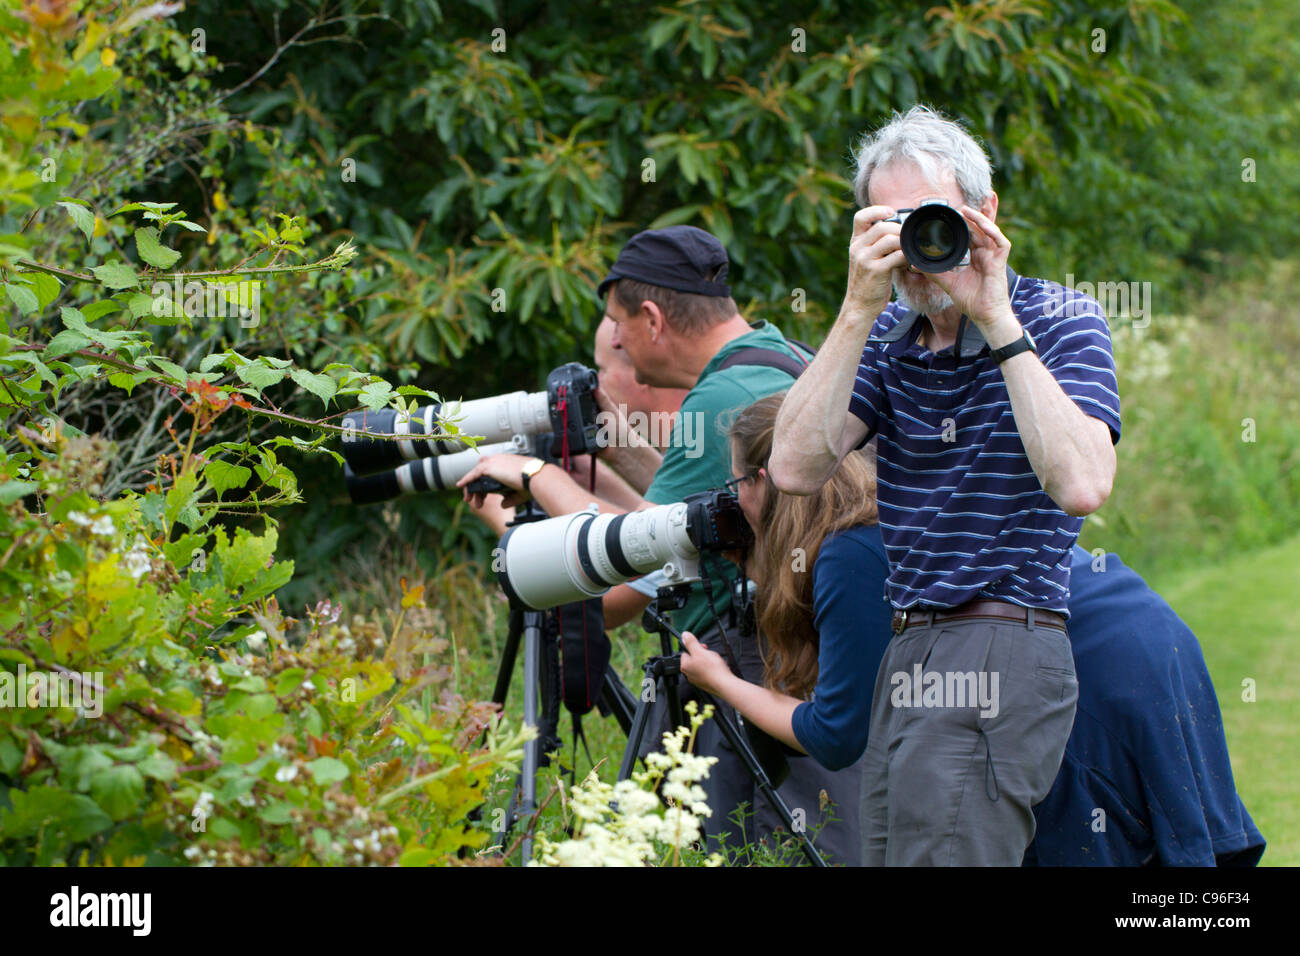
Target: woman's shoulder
[855,543]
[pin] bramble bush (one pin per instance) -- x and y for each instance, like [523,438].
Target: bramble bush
[156,703]
[229,732]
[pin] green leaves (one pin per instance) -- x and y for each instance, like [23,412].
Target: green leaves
[61,817]
[118,790]
[327,770]
[117,275]
[260,375]
[223,476]
[82,217]
[322,386]
[22,297]
[152,251]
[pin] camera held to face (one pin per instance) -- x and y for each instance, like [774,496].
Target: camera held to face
[934,236]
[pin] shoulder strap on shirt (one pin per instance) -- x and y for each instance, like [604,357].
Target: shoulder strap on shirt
[771,358]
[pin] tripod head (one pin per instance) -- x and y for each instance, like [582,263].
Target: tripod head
[670,597]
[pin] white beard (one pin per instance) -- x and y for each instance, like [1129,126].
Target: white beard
[930,300]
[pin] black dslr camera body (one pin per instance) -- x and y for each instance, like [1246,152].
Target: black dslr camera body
[715,522]
[571,395]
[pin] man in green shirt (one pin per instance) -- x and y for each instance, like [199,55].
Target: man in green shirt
[676,319]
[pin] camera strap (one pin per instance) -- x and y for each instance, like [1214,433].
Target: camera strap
[771,358]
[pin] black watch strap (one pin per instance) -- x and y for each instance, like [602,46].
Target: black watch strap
[1023,344]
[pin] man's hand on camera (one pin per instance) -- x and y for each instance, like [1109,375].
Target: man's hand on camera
[507,469]
[874,253]
[980,289]
[702,667]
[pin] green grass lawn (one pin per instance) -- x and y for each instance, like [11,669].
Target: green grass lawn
[1241,612]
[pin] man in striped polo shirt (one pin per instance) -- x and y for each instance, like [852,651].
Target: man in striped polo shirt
[995,404]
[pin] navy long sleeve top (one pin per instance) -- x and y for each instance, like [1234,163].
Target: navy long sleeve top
[852,620]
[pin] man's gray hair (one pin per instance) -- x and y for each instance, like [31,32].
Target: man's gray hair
[934,143]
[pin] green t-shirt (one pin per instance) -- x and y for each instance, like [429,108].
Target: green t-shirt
[698,457]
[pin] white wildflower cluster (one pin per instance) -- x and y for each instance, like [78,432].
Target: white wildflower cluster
[625,824]
[137,559]
[103,525]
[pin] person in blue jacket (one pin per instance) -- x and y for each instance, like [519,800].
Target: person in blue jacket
[1145,779]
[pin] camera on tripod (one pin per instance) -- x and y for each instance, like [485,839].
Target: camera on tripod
[934,237]
[560,421]
[578,556]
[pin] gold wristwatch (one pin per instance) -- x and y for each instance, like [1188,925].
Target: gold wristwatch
[532,467]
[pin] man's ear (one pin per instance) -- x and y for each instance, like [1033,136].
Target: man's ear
[657,325]
[990,206]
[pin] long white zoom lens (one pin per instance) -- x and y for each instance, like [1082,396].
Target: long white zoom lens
[494,419]
[574,557]
[442,472]
[499,417]
[622,546]
[540,564]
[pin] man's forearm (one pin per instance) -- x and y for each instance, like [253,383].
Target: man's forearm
[636,463]
[1071,453]
[810,435]
[558,494]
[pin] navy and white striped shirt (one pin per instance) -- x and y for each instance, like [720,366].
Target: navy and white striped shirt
[962,514]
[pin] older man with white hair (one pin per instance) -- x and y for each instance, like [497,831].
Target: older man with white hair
[995,405]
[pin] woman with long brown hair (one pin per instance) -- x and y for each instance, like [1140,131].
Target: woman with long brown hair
[820,565]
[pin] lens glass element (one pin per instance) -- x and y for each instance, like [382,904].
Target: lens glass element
[934,239]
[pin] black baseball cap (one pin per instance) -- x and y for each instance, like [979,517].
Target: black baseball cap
[680,257]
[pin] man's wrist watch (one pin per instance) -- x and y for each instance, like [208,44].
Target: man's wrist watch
[531,467]
[1023,344]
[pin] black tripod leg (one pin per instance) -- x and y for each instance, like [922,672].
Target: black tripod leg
[635,734]
[507,668]
[616,699]
[761,780]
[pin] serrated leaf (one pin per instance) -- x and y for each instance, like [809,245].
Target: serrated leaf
[97,310]
[223,475]
[69,340]
[210,362]
[53,813]
[191,226]
[118,790]
[322,386]
[117,275]
[152,251]
[177,373]
[159,766]
[375,395]
[46,287]
[259,376]
[82,218]
[141,304]
[128,380]
[22,297]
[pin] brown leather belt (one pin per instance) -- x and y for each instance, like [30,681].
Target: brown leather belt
[1031,617]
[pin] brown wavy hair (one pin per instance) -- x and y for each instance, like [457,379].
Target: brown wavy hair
[787,523]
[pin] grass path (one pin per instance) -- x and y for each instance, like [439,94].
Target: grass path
[1243,612]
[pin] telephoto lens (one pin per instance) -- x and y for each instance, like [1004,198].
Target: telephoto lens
[426,474]
[496,419]
[934,237]
[573,557]
[579,556]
